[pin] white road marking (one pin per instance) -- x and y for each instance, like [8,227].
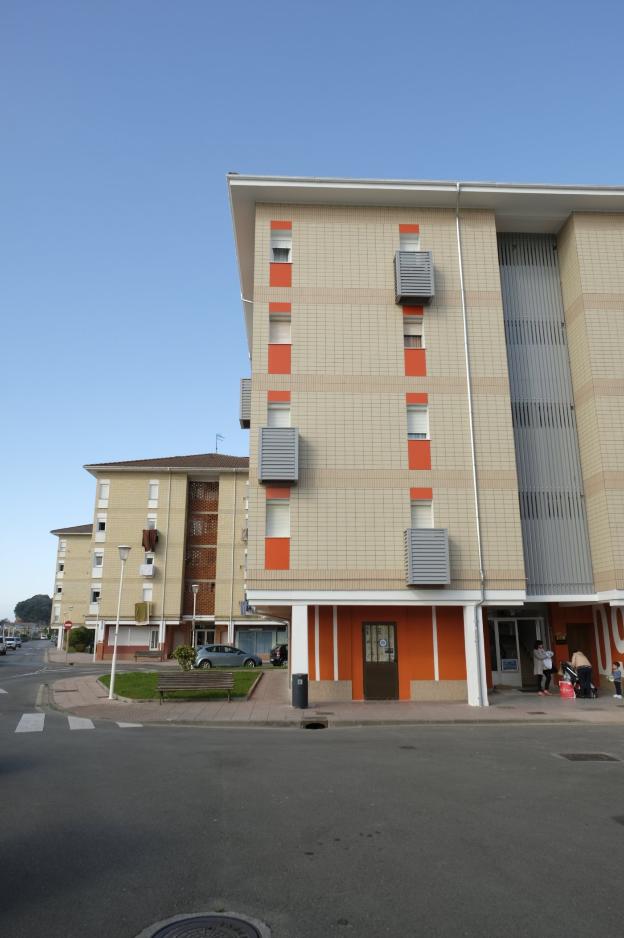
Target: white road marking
[80,723]
[31,723]
[125,726]
[2,691]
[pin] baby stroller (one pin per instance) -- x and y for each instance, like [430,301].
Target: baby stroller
[570,674]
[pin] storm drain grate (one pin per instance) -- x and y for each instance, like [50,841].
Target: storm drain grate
[588,757]
[209,926]
[314,724]
[536,713]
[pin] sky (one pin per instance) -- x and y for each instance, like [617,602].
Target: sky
[121,329]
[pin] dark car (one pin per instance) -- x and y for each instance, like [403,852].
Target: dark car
[225,656]
[279,655]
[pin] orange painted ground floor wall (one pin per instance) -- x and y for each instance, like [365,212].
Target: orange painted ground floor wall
[597,631]
[420,633]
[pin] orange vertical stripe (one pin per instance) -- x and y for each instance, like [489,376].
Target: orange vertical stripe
[413,310]
[326,643]
[415,398]
[344,643]
[279,359]
[415,362]
[280,275]
[409,229]
[281,225]
[278,491]
[280,308]
[275,396]
[277,553]
[419,454]
[451,650]
[419,493]
[414,647]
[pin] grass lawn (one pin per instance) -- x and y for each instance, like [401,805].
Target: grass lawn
[141,685]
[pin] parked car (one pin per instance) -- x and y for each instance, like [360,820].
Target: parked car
[18,641]
[225,656]
[2,646]
[279,655]
[10,643]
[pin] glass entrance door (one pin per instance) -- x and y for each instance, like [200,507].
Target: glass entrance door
[511,649]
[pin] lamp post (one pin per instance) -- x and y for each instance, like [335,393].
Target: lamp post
[124,550]
[195,588]
[97,626]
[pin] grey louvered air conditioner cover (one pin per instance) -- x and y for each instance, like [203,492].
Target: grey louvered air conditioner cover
[413,275]
[245,403]
[278,454]
[427,557]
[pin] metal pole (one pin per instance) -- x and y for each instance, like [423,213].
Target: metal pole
[111,691]
[97,629]
[193,624]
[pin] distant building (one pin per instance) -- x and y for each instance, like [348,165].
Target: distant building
[184,518]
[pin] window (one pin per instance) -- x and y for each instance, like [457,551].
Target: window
[278,518]
[95,595]
[417,422]
[61,566]
[151,522]
[59,590]
[153,641]
[278,415]
[147,593]
[281,246]
[57,613]
[152,494]
[422,514]
[409,241]
[149,559]
[279,330]
[62,546]
[100,528]
[101,524]
[413,333]
[103,493]
[98,560]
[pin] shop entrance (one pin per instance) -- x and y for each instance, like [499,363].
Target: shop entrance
[511,649]
[203,637]
[381,671]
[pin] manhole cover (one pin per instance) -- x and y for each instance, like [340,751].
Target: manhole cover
[588,757]
[210,925]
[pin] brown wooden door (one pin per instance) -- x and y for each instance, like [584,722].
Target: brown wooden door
[381,670]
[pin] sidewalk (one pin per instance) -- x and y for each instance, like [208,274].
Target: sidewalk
[85,696]
[54,656]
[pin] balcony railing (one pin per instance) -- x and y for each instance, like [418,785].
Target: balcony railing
[427,557]
[245,403]
[413,275]
[278,454]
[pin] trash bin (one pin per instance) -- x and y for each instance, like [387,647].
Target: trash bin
[300,691]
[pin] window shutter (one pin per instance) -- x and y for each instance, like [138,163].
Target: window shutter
[279,331]
[417,422]
[422,515]
[278,519]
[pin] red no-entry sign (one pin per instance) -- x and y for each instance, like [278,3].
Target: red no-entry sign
[68,624]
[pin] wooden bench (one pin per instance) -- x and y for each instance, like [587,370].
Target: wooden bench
[148,654]
[196,680]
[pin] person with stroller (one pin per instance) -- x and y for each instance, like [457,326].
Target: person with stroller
[582,666]
[542,667]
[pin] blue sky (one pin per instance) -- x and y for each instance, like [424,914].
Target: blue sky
[121,328]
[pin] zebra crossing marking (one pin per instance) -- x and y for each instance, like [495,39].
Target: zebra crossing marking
[3,691]
[31,723]
[80,723]
[125,726]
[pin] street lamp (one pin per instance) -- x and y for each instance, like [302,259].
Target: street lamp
[97,626]
[195,588]
[124,550]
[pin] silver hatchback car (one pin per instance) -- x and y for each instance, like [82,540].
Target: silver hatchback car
[225,656]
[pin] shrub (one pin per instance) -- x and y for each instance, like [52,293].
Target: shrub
[185,656]
[79,637]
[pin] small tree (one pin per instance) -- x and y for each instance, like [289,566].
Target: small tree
[80,638]
[185,656]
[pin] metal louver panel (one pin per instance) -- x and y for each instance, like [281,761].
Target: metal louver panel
[278,454]
[552,509]
[427,557]
[413,274]
[245,403]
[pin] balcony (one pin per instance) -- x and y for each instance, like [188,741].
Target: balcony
[413,275]
[146,569]
[245,403]
[427,557]
[278,454]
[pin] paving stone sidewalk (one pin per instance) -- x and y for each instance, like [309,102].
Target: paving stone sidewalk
[269,706]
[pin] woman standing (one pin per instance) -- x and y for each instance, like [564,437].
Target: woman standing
[582,665]
[542,667]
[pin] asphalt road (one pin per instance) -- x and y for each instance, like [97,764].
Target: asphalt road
[434,830]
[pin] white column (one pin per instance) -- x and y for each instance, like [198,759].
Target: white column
[475,657]
[298,650]
[161,632]
[59,638]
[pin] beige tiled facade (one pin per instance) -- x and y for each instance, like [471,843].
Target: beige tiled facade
[348,387]
[73,555]
[591,257]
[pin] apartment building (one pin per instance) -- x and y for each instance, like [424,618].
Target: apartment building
[436,416]
[184,519]
[72,567]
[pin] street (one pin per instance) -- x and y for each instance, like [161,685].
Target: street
[428,830]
